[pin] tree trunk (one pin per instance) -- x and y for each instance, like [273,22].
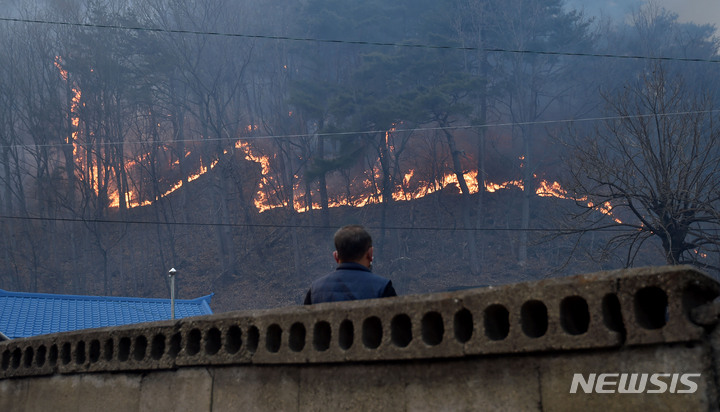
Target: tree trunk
[324,201]
[7,188]
[457,165]
[106,280]
[224,230]
[465,201]
[480,206]
[78,275]
[179,132]
[526,198]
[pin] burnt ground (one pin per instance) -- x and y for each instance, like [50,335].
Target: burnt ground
[423,248]
[423,245]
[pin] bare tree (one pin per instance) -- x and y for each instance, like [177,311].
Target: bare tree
[656,168]
[213,71]
[533,85]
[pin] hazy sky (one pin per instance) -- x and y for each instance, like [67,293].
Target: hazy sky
[697,11]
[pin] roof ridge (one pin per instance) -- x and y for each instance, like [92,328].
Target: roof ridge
[27,314]
[97,297]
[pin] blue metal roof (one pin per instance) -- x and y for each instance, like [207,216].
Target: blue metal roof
[29,314]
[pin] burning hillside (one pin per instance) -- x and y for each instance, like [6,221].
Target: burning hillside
[125,184]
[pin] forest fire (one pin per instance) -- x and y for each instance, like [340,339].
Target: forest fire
[86,158]
[365,188]
[403,191]
[410,188]
[556,190]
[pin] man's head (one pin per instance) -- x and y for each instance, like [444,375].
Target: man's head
[353,244]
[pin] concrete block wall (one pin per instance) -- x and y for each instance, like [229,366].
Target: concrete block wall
[447,347]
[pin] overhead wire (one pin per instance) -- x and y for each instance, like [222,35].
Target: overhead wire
[340,41]
[363,132]
[357,42]
[609,227]
[354,133]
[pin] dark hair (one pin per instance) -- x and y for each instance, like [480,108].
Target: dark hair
[351,242]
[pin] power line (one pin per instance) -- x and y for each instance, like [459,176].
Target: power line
[338,41]
[358,42]
[608,228]
[368,132]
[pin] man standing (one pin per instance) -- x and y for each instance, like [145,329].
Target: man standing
[353,277]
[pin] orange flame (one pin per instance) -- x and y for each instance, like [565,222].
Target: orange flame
[551,190]
[700,254]
[554,189]
[261,200]
[402,192]
[58,64]
[93,173]
[494,187]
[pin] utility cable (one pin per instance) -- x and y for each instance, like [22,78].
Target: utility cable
[357,42]
[609,227]
[363,132]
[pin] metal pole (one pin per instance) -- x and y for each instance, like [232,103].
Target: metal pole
[172,293]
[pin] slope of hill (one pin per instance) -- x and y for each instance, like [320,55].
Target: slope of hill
[422,248]
[254,260]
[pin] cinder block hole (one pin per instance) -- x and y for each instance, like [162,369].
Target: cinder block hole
[66,353]
[651,307]
[463,325]
[534,318]
[140,350]
[41,356]
[109,350]
[433,328]
[175,345]
[372,332]
[80,353]
[273,338]
[53,356]
[157,347]
[297,337]
[322,335]
[213,341]
[612,313]
[574,315]
[94,350]
[253,336]
[346,334]
[193,342]
[693,296]
[496,322]
[16,358]
[233,340]
[5,360]
[401,330]
[124,349]
[29,355]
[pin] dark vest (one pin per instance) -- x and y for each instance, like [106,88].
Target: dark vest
[349,281]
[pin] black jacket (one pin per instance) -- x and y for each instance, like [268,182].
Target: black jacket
[349,281]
